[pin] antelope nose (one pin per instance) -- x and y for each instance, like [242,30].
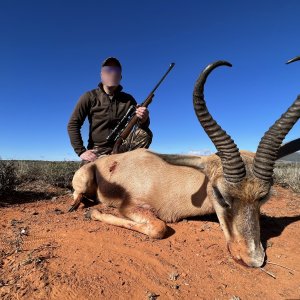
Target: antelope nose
[256,263]
[258,257]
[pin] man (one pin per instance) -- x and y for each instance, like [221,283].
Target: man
[105,107]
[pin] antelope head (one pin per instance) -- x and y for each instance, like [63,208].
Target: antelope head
[244,183]
[239,181]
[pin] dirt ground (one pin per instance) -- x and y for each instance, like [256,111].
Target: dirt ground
[46,253]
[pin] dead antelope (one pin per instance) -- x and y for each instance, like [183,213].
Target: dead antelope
[150,189]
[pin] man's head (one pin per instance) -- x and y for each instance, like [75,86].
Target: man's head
[111,70]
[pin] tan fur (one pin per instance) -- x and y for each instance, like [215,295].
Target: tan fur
[149,191]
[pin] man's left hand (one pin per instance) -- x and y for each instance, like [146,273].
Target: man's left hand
[142,113]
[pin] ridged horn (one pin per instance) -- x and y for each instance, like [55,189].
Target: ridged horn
[267,151]
[232,163]
[269,146]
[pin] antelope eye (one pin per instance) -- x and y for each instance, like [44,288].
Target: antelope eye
[220,198]
[262,199]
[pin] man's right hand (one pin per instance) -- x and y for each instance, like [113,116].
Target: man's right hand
[88,155]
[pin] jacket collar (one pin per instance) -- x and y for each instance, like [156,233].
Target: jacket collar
[118,89]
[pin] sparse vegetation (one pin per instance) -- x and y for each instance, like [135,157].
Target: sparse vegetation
[8,176]
[288,175]
[14,173]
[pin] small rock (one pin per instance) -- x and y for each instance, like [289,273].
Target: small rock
[57,211]
[24,231]
[14,222]
[205,227]
[152,296]
[173,276]
[176,286]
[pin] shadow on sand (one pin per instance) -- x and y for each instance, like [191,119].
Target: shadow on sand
[23,197]
[269,226]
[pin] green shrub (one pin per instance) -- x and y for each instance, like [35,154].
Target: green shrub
[56,173]
[8,176]
[59,173]
[28,170]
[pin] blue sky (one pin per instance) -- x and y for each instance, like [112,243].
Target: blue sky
[51,53]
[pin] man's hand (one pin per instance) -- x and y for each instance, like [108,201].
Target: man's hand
[142,113]
[88,155]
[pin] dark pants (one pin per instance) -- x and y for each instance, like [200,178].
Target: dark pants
[139,138]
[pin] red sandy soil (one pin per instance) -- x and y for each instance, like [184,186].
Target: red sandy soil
[46,253]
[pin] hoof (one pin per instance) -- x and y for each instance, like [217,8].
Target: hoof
[73,207]
[88,214]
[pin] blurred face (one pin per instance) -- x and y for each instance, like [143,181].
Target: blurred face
[111,75]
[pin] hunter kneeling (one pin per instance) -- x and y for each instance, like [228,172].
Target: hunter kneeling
[105,107]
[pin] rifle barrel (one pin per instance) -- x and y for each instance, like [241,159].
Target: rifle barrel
[170,68]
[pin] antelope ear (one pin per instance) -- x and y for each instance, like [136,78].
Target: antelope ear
[196,162]
[289,148]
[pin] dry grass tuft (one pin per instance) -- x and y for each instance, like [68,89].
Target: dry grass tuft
[288,175]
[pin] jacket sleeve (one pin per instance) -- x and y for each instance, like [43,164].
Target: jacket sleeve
[76,121]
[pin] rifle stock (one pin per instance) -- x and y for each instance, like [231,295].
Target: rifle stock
[125,133]
[134,119]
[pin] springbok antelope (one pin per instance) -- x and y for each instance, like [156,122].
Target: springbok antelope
[150,189]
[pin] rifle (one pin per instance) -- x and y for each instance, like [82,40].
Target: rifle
[126,124]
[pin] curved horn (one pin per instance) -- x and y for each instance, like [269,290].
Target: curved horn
[267,151]
[269,146]
[232,163]
[293,59]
